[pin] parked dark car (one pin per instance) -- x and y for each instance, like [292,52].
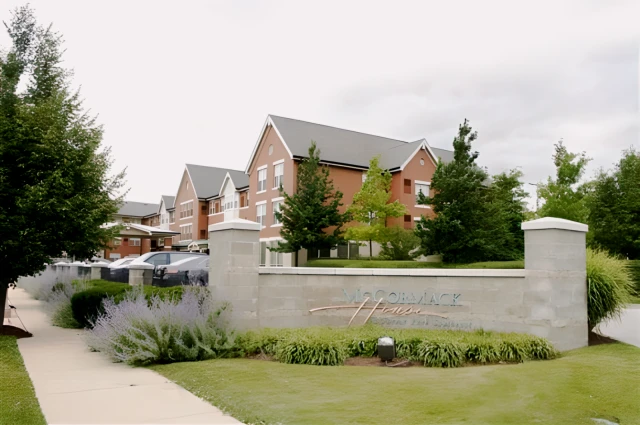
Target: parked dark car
[167,257]
[191,271]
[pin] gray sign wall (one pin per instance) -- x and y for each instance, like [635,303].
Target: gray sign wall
[548,298]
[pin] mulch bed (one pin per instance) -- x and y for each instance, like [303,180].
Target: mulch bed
[14,331]
[597,339]
[375,361]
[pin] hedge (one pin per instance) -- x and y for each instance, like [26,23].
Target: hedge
[434,348]
[86,305]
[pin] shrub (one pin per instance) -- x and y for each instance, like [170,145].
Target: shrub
[399,244]
[609,286]
[87,305]
[441,353]
[138,331]
[436,348]
[634,268]
[312,351]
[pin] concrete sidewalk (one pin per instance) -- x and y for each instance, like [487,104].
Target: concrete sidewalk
[76,386]
[627,328]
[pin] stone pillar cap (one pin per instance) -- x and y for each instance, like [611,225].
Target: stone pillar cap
[235,224]
[99,265]
[555,223]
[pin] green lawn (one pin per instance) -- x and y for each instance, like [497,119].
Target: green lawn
[594,382]
[635,299]
[381,264]
[18,402]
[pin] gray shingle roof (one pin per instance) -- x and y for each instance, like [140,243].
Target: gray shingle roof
[137,209]
[208,180]
[168,201]
[346,147]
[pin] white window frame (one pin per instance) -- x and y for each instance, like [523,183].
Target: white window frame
[138,242]
[261,218]
[186,207]
[417,183]
[276,202]
[276,259]
[183,233]
[172,214]
[262,183]
[278,179]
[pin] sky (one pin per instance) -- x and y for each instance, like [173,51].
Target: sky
[193,81]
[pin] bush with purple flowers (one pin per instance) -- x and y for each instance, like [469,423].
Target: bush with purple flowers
[138,331]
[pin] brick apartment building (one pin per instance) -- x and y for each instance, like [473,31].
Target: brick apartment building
[209,195]
[206,195]
[284,142]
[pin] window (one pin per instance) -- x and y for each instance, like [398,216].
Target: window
[278,173]
[261,214]
[276,207]
[243,200]
[270,149]
[134,242]
[161,242]
[117,242]
[421,188]
[364,177]
[186,210]
[407,186]
[126,219]
[185,232]
[187,185]
[407,218]
[212,208]
[262,180]
[203,234]
[230,202]
[421,161]
[203,209]
[263,253]
[172,217]
[276,259]
[163,218]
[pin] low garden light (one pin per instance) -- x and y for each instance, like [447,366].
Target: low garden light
[386,348]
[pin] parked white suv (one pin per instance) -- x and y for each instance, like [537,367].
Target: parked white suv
[163,257]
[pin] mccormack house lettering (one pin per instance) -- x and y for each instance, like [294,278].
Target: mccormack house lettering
[401,297]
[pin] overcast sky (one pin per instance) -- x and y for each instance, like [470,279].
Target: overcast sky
[193,81]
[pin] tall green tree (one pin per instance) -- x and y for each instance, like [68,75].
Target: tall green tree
[457,230]
[310,217]
[564,196]
[371,206]
[614,208]
[477,218]
[55,184]
[505,209]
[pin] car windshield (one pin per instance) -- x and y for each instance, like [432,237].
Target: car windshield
[120,262]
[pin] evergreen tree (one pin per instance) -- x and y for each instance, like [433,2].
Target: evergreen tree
[371,206]
[564,196]
[614,208]
[55,189]
[310,217]
[458,230]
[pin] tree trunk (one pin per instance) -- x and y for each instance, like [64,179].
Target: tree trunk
[295,259]
[370,249]
[4,287]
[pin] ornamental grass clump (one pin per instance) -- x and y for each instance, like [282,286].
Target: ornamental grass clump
[441,352]
[138,331]
[610,285]
[312,350]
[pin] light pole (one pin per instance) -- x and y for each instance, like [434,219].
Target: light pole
[537,199]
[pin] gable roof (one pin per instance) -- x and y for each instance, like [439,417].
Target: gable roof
[342,147]
[207,181]
[137,209]
[168,201]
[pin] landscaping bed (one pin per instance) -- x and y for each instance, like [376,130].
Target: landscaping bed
[388,264]
[18,402]
[593,382]
[434,348]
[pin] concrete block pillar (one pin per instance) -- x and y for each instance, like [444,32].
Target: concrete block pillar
[96,270]
[234,248]
[140,274]
[555,257]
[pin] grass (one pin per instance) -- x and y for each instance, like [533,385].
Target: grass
[381,264]
[18,402]
[593,382]
[635,299]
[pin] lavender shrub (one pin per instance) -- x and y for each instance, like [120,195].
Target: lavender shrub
[138,332]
